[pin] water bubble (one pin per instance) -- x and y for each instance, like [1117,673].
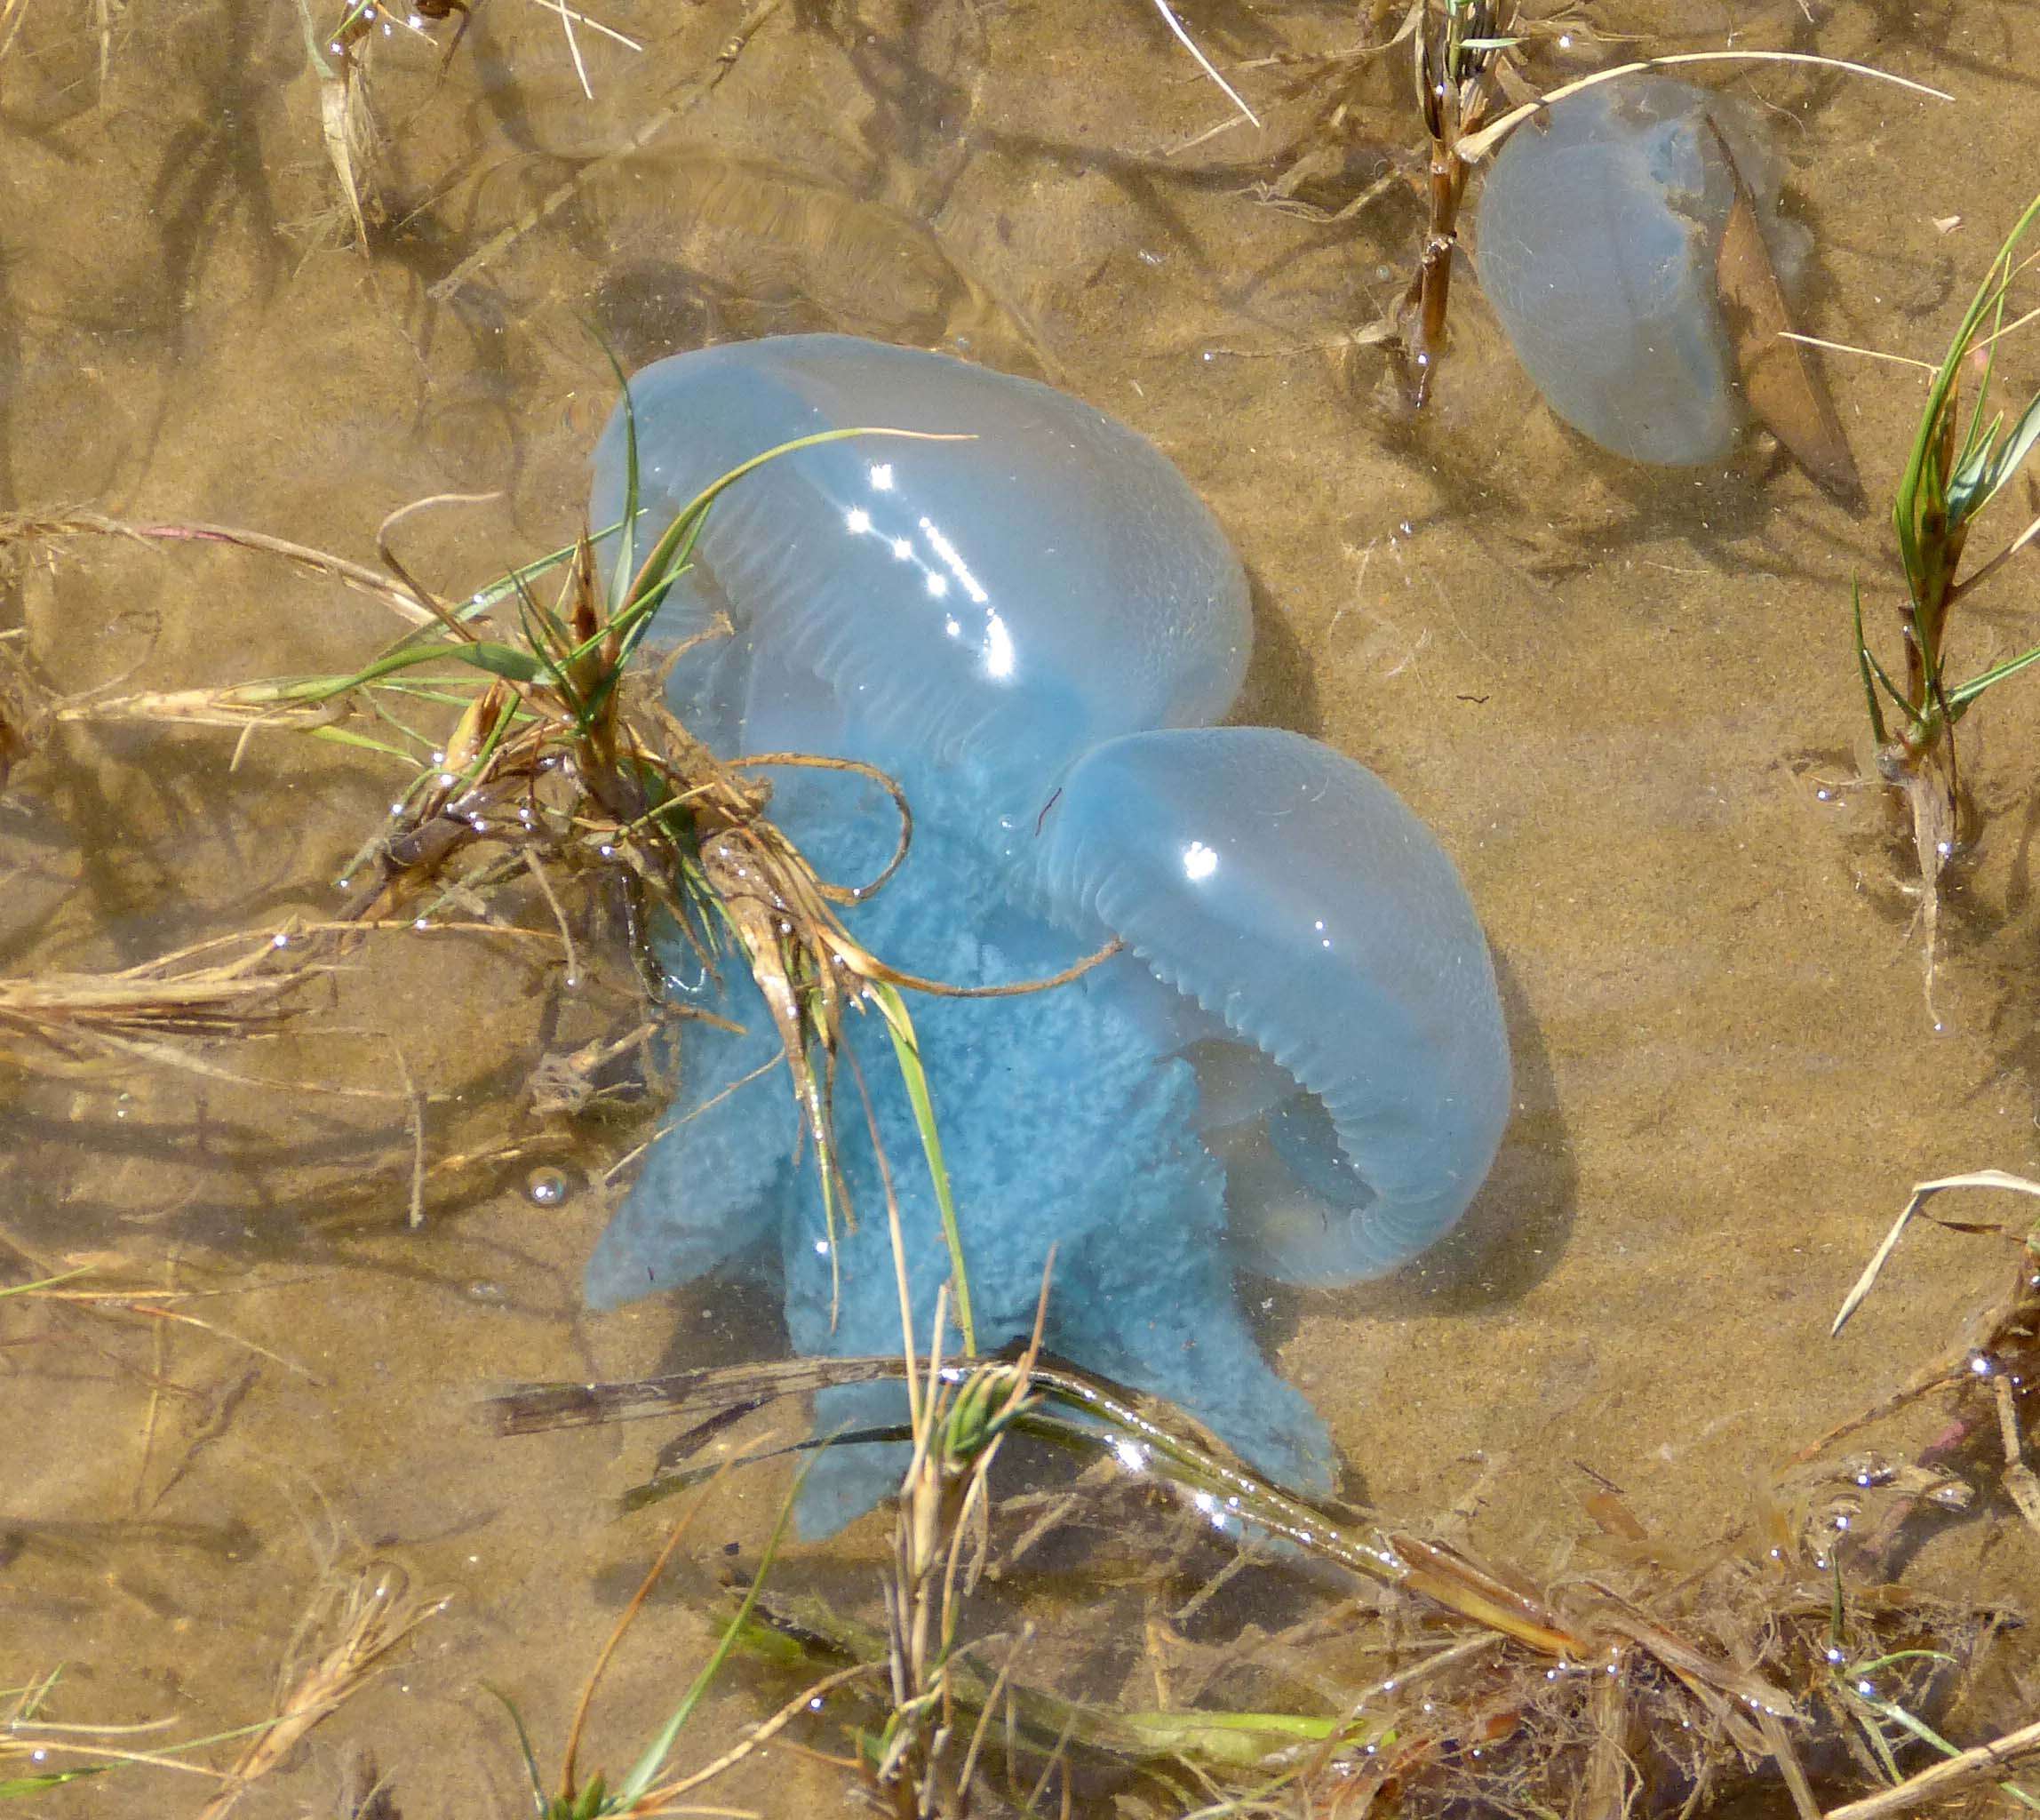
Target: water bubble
[546,1186]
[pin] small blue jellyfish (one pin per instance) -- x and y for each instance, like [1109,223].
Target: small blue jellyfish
[1597,234]
[1295,1065]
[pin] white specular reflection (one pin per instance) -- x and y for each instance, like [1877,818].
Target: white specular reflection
[998,647]
[953,563]
[947,573]
[1198,862]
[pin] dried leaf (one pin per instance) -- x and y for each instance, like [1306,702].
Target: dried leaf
[336,127]
[1923,1193]
[1786,392]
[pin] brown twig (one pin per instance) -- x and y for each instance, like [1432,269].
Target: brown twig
[55,526]
[1954,1776]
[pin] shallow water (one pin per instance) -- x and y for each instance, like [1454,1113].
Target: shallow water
[1624,700]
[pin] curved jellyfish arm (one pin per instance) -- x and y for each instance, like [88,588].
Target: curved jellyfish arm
[1176,1332]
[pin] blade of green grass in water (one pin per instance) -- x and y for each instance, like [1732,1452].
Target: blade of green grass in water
[906,1050]
[645,1771]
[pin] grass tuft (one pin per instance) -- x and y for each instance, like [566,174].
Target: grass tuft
[1963,455]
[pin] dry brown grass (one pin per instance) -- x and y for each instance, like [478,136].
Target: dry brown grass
[164,1011]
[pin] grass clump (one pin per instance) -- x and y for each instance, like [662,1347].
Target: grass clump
[1963,455]
[1412,1673]
[543,762]
[651,1785]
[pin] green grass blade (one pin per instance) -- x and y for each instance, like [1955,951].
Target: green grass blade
[311,691]
[504,660]
[47,1282]
[1963,694]
[621,575]
[1926,1734]
[1865,663]
[506,585]
[538,1802]
[1969,482]
[341,736]
[2009,459]
[18,1787]
[645,1771]
[670,555]
[907,1049]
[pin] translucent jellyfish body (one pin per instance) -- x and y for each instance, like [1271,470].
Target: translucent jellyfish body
[959,594]
[1298,1061]
[1597,238]
[1290,895]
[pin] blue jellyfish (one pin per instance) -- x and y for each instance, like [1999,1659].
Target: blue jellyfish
[1295,1066]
